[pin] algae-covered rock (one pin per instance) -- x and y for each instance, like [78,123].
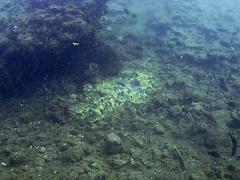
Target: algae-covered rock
[108,99]
[57,111]
[113,144]
[72,155]
[118,161]
[17,159]
[159,129]
[139,141]
[39,162]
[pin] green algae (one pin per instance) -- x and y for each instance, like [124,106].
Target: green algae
[108,98]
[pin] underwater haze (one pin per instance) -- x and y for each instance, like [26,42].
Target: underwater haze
[119,89]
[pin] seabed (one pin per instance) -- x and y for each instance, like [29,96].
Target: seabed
[155,97]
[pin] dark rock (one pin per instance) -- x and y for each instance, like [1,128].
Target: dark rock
[214,154]
[57,111]
[232,104]
[234,123]
[74,132]
[223,84]
[161,28]
[17,159]
[231,167]
[64,147]
[159,129]
[175,111]
[72,155]
[210,141]
[153,105]
[6,151]
[177,85]
[91,138]
[197,128]
[113,144]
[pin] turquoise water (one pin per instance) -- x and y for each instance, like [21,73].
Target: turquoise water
[119,89]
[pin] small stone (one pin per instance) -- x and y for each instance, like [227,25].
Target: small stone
[3,164]
[42,149]
[113,144]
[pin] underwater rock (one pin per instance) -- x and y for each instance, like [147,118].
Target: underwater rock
[42,149]
[113,144]
[27,117]
[57,111]
[72,155]
[159,129]
[139,141]
[153,105]
[197,128]
[175,111]
[211,140]
[214,153]
[233,171]
[6,151]
[177,85]
[64,147]
[177,155]
[234,122]
[17,159]
[41,137]
[39,162]
[119,161]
